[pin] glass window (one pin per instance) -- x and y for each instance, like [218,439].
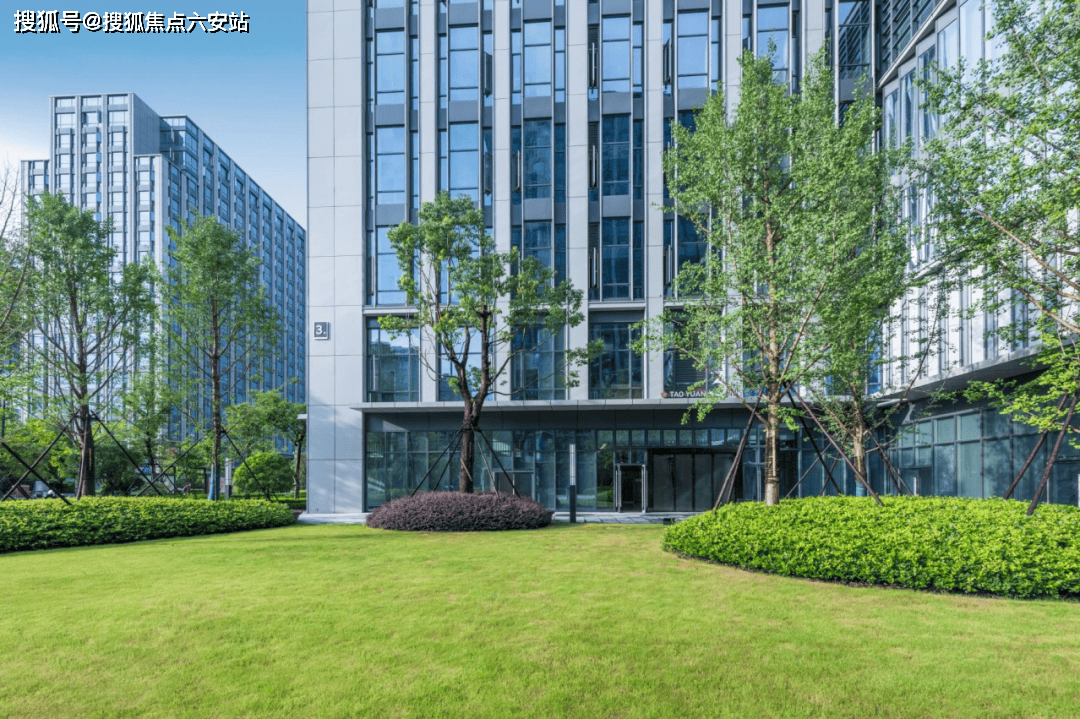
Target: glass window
[693,46]
[639,160]
[616,372]
[616,54]
[91,118]
[926,70]
[65,119]
[537,369]
[390,165]
[537,161]
[118,117]
[639,58]
[560,64]
[464,63]
[772,38]
[616,154]
[691,248]
[549,249]
[889,121]
[948,45]
[853,42]
[615,259]
[537,59]
[390,67]
[384,271]
[393,365]
[560,163]
[907,106]
[464,159]
[515,67]
[716,63]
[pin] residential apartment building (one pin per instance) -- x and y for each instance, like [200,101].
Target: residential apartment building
[115,155]
[552,115]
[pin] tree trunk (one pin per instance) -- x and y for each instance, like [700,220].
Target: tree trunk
[218,428]
[772,447]
[296,470]
[86,455]
[468,453]
[858,457]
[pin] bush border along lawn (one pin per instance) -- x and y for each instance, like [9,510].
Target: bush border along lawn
[938,543]
[49,523]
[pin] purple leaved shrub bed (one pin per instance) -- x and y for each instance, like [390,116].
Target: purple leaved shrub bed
[459,512]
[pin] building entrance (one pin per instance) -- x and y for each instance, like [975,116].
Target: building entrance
[629,487]
[689,480]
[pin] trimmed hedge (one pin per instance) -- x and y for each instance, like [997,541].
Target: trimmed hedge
[459,512]
[938,543]
[49,523]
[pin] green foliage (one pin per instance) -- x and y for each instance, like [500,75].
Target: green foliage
[254,424]
[116,475]
[801,254]
[1008,206]
[473,302]
[1033,402]
[29,439]
[471,299]
[89,316]
[49,523]
[15,269]
[962,545]
[272,474]
[218,318]
[1005,169]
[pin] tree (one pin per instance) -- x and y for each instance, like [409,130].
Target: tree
[253,425]
[30,438]
[217,318]
[477,306]
[264,473]
[148,403]
[14,265]
[14,271]
[1005,168]
[789,202]
[112,465]
[88,316]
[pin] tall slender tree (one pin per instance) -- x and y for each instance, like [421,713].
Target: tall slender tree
[788,200]
[89,317]
[218,320]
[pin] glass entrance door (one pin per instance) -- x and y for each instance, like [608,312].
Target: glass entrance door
[688,481]
[629,487]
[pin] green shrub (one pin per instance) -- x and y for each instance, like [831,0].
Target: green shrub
[273,474]
[48,523]
[962,545]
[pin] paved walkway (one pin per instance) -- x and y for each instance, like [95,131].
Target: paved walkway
[582,517]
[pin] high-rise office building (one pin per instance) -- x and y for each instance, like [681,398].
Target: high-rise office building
[114,155]
[552,115]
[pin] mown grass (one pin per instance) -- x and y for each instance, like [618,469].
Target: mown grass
[577,621]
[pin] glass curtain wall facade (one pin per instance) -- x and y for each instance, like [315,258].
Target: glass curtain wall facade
[552,116]
[114,155]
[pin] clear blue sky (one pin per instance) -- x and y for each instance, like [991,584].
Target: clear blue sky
[247,91]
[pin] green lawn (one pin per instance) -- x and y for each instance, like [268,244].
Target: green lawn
[582,621]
